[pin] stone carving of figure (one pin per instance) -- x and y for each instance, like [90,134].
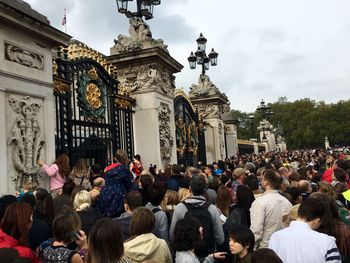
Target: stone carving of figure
[140,37]
[222,140]
[212,111]
[204,87]
[138,29]
[25,141]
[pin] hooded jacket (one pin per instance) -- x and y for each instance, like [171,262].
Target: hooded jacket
[180,211]
[7,241]
[147,247]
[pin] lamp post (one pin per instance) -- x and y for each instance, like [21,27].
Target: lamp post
[144,8]
[252,120]
[266,112]
[200,57]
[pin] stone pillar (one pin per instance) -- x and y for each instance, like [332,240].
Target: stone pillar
[230,135]
[326,143]
[265,128]
[211,104]
[256,148]
[145,69]
[26,94]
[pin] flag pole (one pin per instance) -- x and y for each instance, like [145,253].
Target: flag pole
[65,24]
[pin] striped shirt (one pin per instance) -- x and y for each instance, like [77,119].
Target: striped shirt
[300,244]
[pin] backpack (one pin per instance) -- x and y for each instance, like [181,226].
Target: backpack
[201,212]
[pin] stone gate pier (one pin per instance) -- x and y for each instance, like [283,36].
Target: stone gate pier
[145,69]
[26,96]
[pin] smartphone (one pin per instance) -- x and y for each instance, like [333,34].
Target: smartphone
[76,234]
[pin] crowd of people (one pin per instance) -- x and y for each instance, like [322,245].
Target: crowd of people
[290,206]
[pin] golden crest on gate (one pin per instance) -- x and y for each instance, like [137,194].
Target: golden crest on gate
[93,94]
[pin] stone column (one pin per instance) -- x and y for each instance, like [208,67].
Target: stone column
[212,104]
[26,96]
[326,143]
[230,135]
[265,128]
[145,69]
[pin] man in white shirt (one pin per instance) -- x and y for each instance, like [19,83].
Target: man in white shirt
[300,243]
[267,210]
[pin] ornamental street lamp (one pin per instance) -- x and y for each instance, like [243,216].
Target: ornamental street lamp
[201,58]
[252,120]
[144,8]
[266,112]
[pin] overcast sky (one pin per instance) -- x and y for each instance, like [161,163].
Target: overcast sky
[267,48]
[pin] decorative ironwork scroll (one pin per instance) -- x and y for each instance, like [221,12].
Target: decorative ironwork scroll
[189,132]
[25,141]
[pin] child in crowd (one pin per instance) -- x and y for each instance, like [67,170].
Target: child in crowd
[58,172]
[97,185]
[28,187]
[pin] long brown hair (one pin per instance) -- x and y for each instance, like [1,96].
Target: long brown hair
[142,221]
[331,223]
[105,242]
[62,162]
[17,221]
[80,168]
[223,200]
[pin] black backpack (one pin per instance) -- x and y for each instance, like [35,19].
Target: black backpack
[207,245]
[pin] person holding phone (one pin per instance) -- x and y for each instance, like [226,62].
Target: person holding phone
[65,230]
[188,234]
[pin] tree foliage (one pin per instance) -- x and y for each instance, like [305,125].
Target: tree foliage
[305,122]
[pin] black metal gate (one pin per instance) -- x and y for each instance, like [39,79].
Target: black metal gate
[190,140]
[90,123]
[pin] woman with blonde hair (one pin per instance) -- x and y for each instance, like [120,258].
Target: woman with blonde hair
[143,244]
[183,194]
[88,216]
[171,199]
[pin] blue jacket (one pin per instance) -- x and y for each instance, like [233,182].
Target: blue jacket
[118,181]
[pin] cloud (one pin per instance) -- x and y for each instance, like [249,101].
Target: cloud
[267,49]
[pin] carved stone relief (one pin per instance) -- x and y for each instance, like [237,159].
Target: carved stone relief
[140,38]
[222,140]
[204,88]
[25,141]
[23,57]
[145,77]
[165,136]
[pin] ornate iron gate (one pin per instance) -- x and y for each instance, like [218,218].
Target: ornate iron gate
[190,140]
[89,122]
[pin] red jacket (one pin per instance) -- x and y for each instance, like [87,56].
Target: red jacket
[7,241]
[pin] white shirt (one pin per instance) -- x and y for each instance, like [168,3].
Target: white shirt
[266,216]
[300,244]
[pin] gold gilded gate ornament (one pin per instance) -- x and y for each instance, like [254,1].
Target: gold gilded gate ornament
[92,95]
